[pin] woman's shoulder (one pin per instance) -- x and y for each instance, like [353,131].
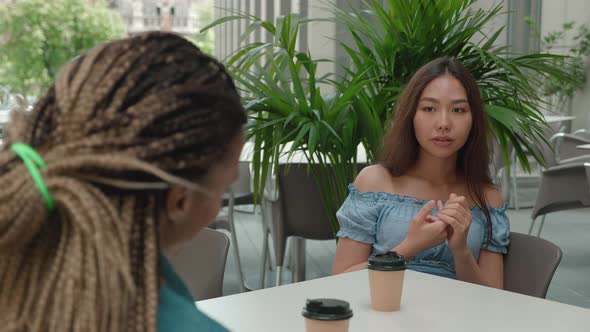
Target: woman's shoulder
[374,178]
[494,198]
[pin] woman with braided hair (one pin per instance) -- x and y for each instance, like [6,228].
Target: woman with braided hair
[124,159]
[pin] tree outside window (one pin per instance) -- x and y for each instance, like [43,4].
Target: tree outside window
[37,37]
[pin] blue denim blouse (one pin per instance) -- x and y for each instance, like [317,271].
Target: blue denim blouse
[383,219]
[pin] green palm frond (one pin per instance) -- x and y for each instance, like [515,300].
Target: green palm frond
[289,113]
[391,42]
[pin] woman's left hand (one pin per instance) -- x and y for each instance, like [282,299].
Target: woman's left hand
[457,215]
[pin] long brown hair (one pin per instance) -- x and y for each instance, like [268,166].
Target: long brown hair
[400,145]
[143,109]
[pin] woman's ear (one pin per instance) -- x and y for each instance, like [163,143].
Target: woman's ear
[177,204]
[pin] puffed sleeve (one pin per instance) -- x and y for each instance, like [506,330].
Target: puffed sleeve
[358,216]
[500,232]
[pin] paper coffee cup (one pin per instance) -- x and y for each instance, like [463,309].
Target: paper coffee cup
[327,315]
[386,280]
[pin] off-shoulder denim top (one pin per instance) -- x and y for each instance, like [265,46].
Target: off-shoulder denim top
[383,219]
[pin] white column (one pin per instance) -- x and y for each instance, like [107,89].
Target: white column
[253,10]
[137,16]
[217,29]
[245,9]
[226,29]
[276,7]
[320,43]
[193,19]
[235,27]
[296,6]
[220,32]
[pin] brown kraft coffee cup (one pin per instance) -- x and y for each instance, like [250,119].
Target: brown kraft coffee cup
[386,280]
[327,315]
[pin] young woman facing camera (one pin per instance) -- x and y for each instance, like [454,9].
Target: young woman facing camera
[431,198]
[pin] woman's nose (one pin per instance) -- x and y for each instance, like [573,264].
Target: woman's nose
[444,122]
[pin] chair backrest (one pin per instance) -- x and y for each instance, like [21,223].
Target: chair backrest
[201,264]
[565,146]
[584,133]
[530,264]
[299,210]
[243,183]
[563,187]
[303,211]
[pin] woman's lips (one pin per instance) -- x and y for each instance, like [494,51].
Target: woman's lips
[442,141]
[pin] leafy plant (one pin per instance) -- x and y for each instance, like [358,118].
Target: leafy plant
[392,41]
[37,37]
[289,112]
[204,40]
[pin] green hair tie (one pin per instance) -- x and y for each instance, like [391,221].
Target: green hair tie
[34,162]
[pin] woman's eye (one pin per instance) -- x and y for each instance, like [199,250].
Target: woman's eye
[428,109]
[459,110]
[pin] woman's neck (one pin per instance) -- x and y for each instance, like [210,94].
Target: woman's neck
[437,171]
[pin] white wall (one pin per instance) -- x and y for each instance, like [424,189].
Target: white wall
[499,21]
[554,14]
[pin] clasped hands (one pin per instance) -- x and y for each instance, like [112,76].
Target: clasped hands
[451,224]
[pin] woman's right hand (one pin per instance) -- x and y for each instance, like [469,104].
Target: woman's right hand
[425,232]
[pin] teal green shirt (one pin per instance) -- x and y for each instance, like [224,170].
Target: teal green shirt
[176,307]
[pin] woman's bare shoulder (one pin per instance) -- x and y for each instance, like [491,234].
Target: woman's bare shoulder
[374,178]
[494,197]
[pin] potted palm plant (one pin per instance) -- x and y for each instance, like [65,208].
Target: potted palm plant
[289,112]
[391,41]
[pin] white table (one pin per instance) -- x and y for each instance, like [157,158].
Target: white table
[558,118]
[297,158]
[584,146]
[429,303]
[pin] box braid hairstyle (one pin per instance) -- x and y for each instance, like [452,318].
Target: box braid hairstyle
[119,120]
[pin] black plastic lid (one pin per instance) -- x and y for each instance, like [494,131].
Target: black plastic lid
[327,309]
[389,261]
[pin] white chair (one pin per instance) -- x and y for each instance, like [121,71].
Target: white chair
[584,133]
[563,187]
[562,149]
[565,148]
